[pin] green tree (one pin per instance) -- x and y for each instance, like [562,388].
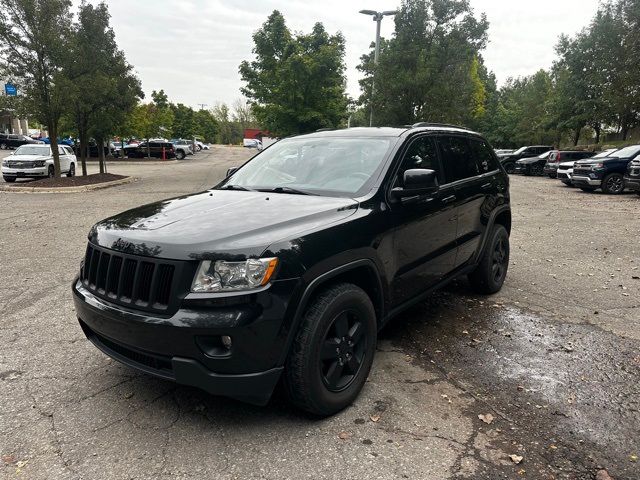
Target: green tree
[430,69]
[102,86]
[33,44]
[296,83]
[184,121]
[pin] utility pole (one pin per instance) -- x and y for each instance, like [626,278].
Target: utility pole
[377,17]
[202,105]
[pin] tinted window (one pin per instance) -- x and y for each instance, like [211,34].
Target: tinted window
[422,153]
[484,156]
[457,159]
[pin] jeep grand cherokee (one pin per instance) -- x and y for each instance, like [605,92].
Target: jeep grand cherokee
[291,265]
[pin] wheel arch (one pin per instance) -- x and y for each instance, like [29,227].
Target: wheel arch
[500,216]
[362,273]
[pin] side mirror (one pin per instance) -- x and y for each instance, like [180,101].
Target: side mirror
[231,171]
[419,181]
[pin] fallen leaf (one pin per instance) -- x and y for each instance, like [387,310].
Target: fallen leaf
[553,447]
[516,458]
[8,459]
[633,458]
[488,418]
[603,475]
[522,471]
[21,464]
[375,418]
[344,435]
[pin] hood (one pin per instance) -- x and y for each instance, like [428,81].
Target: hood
[529,160]
[207,224]
[27,158]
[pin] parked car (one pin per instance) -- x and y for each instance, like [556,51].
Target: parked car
[182,150]
[532,166]
[606,173]
[187,145]
[252,143]
[632,177]
[36,161]
[156,150]
[10,141]
[94,149]
[565,169]
[508,161]
[61,141]
[289,269]
[559,156]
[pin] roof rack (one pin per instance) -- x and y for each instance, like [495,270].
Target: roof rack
[429,124]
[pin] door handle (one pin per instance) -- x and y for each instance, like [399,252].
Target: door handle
[449,199]
[487,186]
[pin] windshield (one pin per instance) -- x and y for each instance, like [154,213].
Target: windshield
[606,153]
[42,150]
[331,166]
[626,152]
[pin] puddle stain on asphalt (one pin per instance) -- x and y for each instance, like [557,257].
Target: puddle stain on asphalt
[567,393]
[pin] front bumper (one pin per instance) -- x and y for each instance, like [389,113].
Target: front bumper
[185,347]
[25,172]
[632,184]
[521,168]
[579,180]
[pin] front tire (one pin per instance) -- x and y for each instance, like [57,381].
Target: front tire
[510,167]
[489,275]
[72,171]
[180,155]
[9,179]
[51,172]
[332,354]
[3,146]
[535,170]
[613,184]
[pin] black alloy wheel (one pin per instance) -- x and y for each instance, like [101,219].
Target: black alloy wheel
[72,170]
[343,350]
[613,184]
[536,170]
[500,260]
[51,172]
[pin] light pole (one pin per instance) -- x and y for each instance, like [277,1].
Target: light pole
[377,17]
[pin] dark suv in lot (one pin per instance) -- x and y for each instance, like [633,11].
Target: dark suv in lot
[632,177]
[605,173]
[155,149]
[290,266]
[560,156]
[509,160]
[10,140]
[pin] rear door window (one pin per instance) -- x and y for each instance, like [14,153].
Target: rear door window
[458,159]
[484,156]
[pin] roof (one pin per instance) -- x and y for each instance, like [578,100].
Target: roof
[386,131]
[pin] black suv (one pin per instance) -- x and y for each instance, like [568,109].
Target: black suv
[561,156]
[632,178]
[291,265]
[155,149]
[508,161]
[605,173]
[10,140]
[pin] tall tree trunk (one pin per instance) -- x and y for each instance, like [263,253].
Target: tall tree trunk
[100,145]
[576,136]
[625,130]
[148,149]
[598,129]
[83,149]
[52,125]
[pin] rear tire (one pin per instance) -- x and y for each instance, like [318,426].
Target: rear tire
[489,275]
[332,354]
[3,146]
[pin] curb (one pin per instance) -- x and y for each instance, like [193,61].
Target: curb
[78,189]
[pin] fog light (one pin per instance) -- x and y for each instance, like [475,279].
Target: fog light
[226,341]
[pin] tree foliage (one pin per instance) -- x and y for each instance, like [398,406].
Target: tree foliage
[33,44]
[296,82]
[430,69]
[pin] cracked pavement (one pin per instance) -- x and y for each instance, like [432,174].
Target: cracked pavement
[554,358]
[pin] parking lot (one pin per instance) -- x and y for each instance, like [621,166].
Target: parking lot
[552,362]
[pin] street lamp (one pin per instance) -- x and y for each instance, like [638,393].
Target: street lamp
[377,17]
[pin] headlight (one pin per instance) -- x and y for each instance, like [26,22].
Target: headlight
[596,166]
[5,163]
[224,276]
[39,163]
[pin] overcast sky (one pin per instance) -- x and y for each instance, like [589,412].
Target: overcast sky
[192,48]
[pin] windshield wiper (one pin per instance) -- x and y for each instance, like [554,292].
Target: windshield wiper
[291,190]
[238,187]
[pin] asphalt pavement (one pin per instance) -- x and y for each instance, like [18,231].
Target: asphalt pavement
[540,381]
